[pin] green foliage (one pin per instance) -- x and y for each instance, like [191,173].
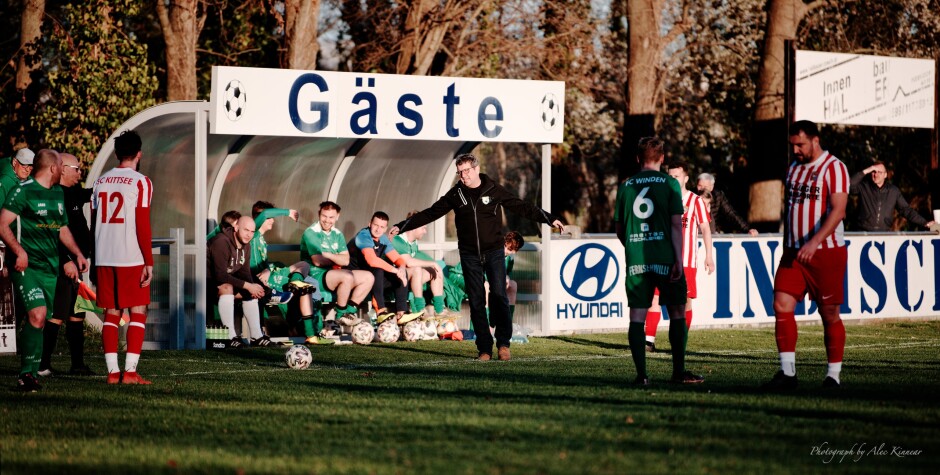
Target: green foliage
[97,76]
[563,405]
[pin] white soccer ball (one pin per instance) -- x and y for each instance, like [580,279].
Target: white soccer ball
[388,331]
[298,357]
[550,111]
[447,326]
[430,330]
[363,333]
[330,329]
[413,330]
[234,99]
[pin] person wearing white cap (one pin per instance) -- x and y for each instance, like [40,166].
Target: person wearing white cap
[21,165]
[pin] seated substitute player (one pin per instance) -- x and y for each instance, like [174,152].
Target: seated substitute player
[421,270]
[325,247]
[366,252]
[276,275]
[39,205]
[694,217]
[229,272]
[649,224]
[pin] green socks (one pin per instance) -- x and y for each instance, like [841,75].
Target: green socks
[31,339]
[677,339]
[419,304]
[637,338]
[438,301]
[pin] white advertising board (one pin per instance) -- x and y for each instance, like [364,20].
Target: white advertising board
[890,276]
[284,102]
[854,89]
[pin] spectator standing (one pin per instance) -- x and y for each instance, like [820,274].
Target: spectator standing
[477,202]
[814,252]
[66,291]
[20,167]
[724,217]
[40,205]
[877,200]
[123,254]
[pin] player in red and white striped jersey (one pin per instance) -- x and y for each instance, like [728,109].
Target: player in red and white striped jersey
[695,216]
[123,254]
[814,255]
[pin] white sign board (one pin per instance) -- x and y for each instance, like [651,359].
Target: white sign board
[853,89]
[284,102]
[887,277]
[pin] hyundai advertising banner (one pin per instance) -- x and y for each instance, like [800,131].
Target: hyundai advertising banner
[887,277]
[258,101]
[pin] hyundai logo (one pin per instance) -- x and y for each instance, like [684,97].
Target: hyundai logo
[590,272]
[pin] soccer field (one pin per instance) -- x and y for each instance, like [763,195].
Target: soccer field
[562,405]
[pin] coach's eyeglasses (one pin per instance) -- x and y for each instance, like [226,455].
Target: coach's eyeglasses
[465,171]
[73,166]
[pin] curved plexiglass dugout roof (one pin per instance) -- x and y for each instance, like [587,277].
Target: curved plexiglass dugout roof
[363,176]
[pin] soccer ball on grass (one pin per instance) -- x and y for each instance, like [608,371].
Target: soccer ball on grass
[388,331]
[363,333]
[298,357]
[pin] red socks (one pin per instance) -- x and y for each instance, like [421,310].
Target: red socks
[835,340]
[785,332]
[652,321]
[109,333]
[135,333]
[688,319]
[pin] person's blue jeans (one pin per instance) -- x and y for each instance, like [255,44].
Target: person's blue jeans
[493,267]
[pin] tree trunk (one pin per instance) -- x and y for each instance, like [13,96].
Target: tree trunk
[33,11]
[181,25]
[769,152]
[426,26]
[301,18]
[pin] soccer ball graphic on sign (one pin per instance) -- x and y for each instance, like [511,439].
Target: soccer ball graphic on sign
[389,331]
[298,357]
[550,110]
[363,333]
[234,99]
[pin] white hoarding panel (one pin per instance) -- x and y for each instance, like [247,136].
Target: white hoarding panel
[887,277]
[256,101]
[853,89]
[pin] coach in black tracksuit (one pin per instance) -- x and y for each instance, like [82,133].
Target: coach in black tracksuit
[477,201]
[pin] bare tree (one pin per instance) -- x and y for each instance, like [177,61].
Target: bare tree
[768,152]
[181,21]
[30,31]
[300,33]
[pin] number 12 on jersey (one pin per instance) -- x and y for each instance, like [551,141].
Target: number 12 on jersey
[115,202]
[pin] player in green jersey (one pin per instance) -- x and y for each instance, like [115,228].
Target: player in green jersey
[40,205]
[649,224]
[422,269]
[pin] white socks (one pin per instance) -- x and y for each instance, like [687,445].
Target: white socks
[788,363]
[253,314]
[227,313]
[834,370]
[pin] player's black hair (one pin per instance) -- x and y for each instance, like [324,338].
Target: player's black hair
[514,240]
[260,206]
[679,164]
[379,214]
[229,218]
[127,145]
[807,127]
[330,205]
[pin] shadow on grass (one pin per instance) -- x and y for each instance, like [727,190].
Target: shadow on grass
[586,342]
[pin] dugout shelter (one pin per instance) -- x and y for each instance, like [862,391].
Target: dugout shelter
[295,138]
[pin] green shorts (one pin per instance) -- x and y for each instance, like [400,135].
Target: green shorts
[319,274]
[640,289]
[279,277]
[35,288]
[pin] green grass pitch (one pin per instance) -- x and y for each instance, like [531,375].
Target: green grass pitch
[562,405]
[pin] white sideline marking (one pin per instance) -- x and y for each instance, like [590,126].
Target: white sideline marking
[467,360]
